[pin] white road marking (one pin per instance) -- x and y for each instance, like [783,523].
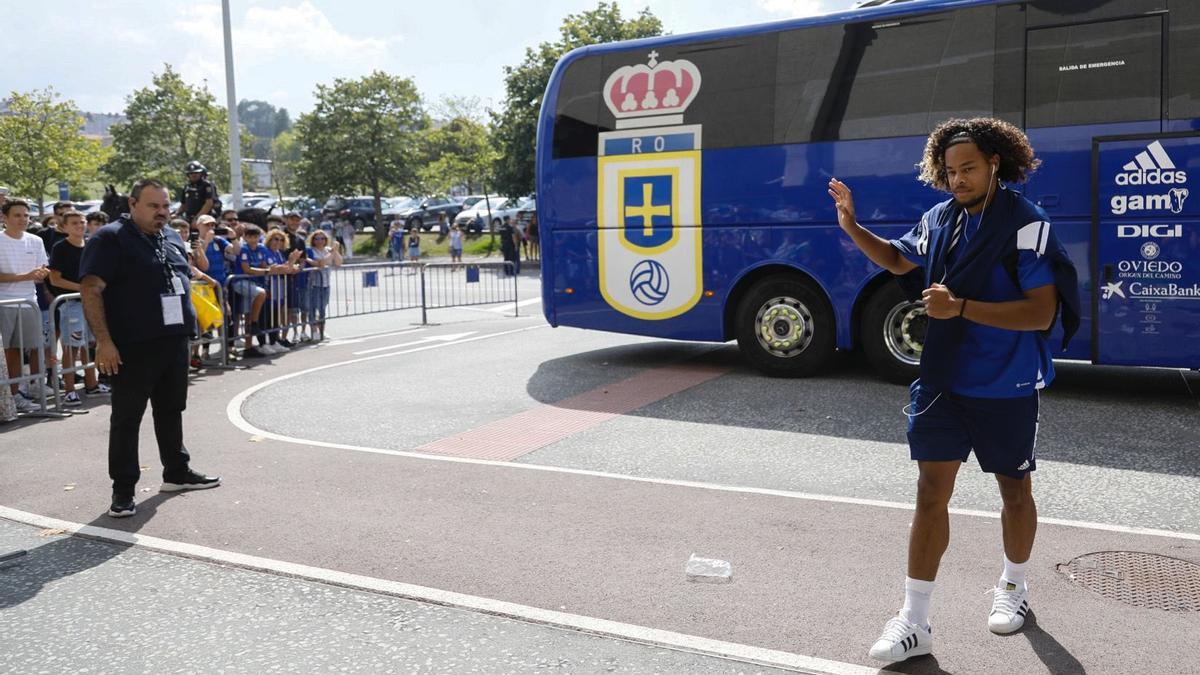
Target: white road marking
[234,412]
[499,608]
[523,303]
[432,338]
[370,336]
[502,308]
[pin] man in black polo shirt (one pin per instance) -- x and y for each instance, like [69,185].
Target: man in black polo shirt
[200,195]
[135,296]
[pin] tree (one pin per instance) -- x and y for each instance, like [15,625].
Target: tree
[458,152]
[284,154]
[42,145]
[362,136]
[265,122]
[169,124]
[515,126]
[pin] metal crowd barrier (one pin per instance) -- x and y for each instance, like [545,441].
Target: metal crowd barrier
[216,337]
[294,302]
[85,352]
[35,377]
[445,285]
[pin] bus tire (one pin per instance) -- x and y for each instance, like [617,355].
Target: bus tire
[893,334]
[785,327]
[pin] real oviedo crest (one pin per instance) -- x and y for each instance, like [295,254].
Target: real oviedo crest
[648,196]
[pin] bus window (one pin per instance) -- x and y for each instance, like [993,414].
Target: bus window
[892,78]
[1094,73]
[737,101]
[576,116]
[1185,60]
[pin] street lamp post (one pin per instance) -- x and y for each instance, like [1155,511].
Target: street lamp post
[235,147]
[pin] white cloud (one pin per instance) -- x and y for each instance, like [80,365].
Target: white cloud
[203,22]
[794,8]
[300,30]
[305,30]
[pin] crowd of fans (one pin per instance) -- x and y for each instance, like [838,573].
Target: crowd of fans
[274,281]
[270,285]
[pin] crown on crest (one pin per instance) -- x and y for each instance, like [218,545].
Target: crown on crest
[635,93]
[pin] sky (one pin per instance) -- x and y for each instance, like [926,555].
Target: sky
[97,53]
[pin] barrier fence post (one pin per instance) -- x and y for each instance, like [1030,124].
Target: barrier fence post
[424,309]
[34,377]
[516,307]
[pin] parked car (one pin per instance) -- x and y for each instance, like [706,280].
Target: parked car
[526,210]
[471,200]
[358,210]
[248,199]
[88,206]
[423,212]
[475,218]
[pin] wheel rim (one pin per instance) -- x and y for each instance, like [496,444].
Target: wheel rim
[784,326]
[904,332]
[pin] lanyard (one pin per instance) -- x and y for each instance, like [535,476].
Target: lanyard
[159,243]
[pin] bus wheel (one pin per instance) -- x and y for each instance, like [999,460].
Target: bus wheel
[893,334]
[785,328]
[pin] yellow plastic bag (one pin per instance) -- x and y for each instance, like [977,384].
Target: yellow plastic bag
[208,313]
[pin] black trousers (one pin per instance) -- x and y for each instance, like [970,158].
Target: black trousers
[154,371]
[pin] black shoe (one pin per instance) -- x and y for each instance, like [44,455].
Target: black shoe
[287,343]
[253,353]
[122,506]
[190,481]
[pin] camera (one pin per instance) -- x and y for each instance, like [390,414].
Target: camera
[193,236]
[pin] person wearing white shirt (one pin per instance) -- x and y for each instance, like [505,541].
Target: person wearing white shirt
[23,265]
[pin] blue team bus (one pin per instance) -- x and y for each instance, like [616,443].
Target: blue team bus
[682,180]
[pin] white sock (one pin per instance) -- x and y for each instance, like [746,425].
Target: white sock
[1014,573]
[917,595]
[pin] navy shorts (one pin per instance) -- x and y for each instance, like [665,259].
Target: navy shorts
[1001,431]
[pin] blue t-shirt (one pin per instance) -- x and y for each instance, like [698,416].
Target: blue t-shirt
[215,252]
[995,362]
[276,283]
[254,257]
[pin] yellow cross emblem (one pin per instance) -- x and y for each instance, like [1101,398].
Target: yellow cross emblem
[647,210]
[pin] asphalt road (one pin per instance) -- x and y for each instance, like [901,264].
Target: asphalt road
[573,472]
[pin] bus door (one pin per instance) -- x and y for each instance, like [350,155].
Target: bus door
[1146,250]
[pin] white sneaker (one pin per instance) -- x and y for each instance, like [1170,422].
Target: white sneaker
[239,343]
[268,349]
[25,404]
[72,399]
[1009,607]
[902,640]
[101,388]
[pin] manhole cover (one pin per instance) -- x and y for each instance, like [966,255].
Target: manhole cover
[1139,579]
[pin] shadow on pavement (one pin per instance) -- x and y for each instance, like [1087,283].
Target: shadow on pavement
[1056,657]
[922,665]
[1151,418]
[67,555]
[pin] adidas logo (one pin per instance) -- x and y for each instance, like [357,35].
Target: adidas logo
[1024,465]
[1152,166]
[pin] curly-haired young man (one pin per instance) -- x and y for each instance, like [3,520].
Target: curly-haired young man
[992,276]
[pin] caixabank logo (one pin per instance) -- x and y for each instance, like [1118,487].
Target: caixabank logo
[1151,167]
[648,191]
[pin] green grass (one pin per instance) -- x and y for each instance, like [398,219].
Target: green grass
[473,245]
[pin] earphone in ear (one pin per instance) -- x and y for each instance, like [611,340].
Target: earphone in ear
[993,169]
